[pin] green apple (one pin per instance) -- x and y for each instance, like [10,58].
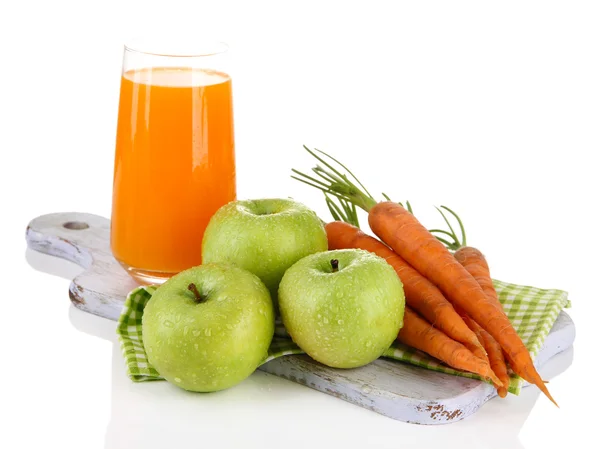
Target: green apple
[209,327]
[344,307]
[263,236]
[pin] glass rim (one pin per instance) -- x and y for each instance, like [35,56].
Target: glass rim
[203,48]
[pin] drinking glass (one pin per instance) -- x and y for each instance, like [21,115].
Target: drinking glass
[174,156]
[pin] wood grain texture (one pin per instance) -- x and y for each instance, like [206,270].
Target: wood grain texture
[394,389]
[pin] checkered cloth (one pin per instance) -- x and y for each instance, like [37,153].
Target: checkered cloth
[531,310]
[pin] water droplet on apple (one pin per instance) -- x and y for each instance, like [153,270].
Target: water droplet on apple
[340,321]
[177,379]
[207,332]
[186,330]
[196,345]
[168,323]
[195,333]
[325,320]
[339,294]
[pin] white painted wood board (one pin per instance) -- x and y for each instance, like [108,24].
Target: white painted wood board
[398,390]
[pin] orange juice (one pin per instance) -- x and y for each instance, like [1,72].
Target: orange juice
[174,166]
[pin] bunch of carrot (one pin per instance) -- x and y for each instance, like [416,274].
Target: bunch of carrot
[452,309]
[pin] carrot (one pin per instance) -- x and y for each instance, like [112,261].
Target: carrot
[397,227]
[494,351]
[469,257]
[419,334]
[475,263]
[497,361]
[420,293]
[472,259]
[406,236]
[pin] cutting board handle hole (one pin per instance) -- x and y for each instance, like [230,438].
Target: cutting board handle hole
[76,225]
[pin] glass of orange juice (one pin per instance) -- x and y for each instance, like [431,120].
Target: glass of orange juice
[174,157]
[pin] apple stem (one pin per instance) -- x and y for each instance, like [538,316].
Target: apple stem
[199,298]
[334,265]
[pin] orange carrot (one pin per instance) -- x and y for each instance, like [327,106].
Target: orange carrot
[419,334]
[406,236]
[475,263]
[494,352]
[497,360]
[420,293]
[401,230]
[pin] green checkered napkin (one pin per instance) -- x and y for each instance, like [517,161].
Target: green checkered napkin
[531,310]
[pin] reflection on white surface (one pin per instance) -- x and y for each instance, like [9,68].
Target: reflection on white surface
[52,265]
[265,410]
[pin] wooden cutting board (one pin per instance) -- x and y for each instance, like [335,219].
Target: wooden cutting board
[398,390]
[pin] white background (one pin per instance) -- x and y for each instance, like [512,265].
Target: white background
[491,108]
